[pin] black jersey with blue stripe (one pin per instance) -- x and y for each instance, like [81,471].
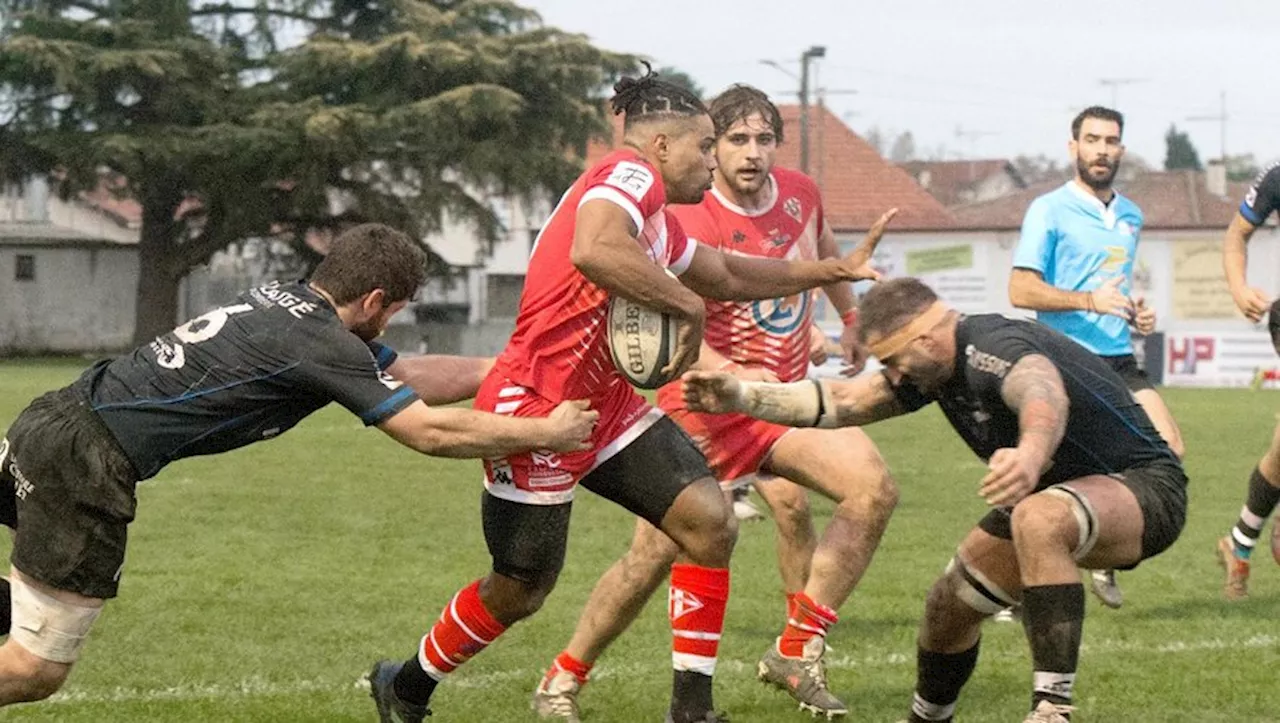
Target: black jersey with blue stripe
[1263,197]
[1107,430]
[240,374]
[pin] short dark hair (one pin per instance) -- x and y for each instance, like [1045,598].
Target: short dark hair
[371,256]
[740,102]
[647,98]
[1098,112]
[889,305]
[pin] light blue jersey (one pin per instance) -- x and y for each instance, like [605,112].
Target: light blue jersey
[1078,244]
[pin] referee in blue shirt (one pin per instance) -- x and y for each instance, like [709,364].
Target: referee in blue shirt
[1074,266]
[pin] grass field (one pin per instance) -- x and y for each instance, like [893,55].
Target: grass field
[261,584]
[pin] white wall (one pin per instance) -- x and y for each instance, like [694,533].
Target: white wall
[67,215]
[82,300]
[1206,341]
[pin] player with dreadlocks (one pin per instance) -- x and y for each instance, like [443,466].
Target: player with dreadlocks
[610,234]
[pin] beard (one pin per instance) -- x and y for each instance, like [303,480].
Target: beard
[370,329]
[1085,171]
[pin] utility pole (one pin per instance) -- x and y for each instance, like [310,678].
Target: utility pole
[812,53]
[1221,119]
[806,81]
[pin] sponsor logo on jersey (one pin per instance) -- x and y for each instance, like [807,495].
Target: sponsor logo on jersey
[389,381]
[545,458]
[781,316]
[500,473]
[777,239]
[168,356]
[271,293]
[633,178]
[792,208]
[1124,228]
[739,237]
[1251,197]
[1117,257]
[984,362]
[22,486]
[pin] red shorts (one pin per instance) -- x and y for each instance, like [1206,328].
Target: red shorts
[549,478]
[735,445]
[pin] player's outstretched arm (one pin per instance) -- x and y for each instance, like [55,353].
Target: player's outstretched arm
[811,403]
[441,378]
[605,251]
[1253,303]
[730,277]
[464,433]
[840,294]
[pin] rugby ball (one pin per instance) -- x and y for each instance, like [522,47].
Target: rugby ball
[641,342]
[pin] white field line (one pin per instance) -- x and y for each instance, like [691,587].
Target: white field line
[261,688]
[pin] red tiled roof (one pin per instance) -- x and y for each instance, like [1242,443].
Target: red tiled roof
[1168,199]
[947,181]
[126,211]
[857,184]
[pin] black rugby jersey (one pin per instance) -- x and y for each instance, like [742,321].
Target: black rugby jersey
[1263,197]
[1107,430]
[240,374]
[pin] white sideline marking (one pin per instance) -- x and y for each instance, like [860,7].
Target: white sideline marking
[261,688]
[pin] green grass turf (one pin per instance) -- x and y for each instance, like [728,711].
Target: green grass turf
[261,584]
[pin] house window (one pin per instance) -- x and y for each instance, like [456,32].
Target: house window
[25,268]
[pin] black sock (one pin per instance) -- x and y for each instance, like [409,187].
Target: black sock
[690,696]
[1053,616]
[1258,507]
[6,618]
[412,684]
[939,678]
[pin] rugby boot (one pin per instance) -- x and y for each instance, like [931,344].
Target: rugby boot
[382,689]
[556,697]
[1104,586]
[805,678]
[1048,712]
[1237,584]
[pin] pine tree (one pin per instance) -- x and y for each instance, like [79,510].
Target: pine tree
[1179,151]
[398,111]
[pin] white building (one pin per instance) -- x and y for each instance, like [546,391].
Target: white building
[68,275]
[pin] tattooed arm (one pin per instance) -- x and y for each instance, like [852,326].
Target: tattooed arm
[1033,388]
[810,403]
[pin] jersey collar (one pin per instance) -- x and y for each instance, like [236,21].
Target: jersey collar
[1105,211]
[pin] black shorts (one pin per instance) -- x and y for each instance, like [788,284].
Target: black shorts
[1127,367]
[528,542]
[1161,489]
[67,490]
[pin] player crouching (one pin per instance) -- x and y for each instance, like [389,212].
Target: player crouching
[1078,475]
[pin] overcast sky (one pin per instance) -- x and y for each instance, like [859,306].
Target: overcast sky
[982,78]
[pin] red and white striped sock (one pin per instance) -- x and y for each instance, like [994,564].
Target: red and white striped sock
[465,628]
[568,664]
[807,620]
